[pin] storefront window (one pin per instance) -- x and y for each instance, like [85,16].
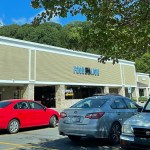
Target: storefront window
[141,92]
[79,92]
[46,95]
[16,94]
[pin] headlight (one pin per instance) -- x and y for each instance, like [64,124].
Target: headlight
[127,129]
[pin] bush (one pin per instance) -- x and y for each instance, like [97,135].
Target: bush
[143,99]
[134,99]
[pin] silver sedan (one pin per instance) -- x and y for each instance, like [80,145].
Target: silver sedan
[97,117]
[136,130]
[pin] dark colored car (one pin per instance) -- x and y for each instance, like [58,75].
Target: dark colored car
[97,117]
[16,114]
[136,130]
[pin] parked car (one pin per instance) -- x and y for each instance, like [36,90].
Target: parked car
[16,114]
[136,130]
[97,116]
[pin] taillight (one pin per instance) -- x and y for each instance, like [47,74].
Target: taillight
[95,115]
[63,115]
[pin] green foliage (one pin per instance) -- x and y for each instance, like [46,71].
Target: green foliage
[46,33]
[9,31]
[134,99]
[24,32]
[119,29]
[143,99]
[143,63]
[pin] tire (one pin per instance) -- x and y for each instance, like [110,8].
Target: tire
[74,138]
[13,126]
[114,135]
[53,122]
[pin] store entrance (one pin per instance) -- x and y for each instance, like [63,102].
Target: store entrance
[45,95]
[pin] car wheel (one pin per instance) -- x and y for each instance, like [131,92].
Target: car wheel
[114,135]
[53,121]
[74,138]
[13,126]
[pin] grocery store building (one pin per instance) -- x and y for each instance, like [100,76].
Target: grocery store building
[59,77]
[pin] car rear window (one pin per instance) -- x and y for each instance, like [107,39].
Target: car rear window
[90,103]
[4,104]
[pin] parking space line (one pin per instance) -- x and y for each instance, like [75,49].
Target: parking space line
[25,145]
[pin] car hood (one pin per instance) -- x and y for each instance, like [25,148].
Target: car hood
[141,119]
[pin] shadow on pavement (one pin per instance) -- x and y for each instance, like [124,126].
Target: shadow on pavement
[66,144]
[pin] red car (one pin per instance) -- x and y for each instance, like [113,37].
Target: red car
[18,113]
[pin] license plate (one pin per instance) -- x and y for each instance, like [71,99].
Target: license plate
[76,119]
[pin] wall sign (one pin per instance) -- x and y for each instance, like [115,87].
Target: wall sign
[129,89]
[85,70]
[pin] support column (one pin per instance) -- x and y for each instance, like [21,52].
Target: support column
[106,90]
[60,95]
[147,93]
[28,91]
[135,94]
[121,91]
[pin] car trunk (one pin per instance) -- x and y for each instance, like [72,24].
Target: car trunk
[78,115]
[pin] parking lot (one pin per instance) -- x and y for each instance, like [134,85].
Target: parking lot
[48,139]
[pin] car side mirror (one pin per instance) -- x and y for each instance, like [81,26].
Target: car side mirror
[44,108]
[140,109]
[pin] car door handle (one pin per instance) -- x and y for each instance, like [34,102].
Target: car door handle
[118,113]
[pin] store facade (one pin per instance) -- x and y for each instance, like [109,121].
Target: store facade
[143,84]
[58,77]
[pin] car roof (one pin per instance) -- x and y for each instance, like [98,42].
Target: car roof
[16,100]
[107,95]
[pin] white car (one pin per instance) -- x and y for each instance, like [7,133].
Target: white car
[136,130]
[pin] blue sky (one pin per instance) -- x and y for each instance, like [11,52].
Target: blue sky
[20,12]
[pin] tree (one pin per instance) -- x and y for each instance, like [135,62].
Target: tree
[119,28]
[9,31]
[24,32]
[71,36]
[142,64]
[46,33]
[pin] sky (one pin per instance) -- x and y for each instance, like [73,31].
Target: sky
[20,12]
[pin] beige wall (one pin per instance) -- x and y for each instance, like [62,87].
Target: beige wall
[129,75]
[143,79]
[50,67]
[59,68]
[14,63]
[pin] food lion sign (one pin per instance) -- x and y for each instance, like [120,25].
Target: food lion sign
[85,70]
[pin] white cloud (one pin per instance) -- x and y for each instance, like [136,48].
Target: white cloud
[24,20]
[56,20]
[20,21]
[1,22]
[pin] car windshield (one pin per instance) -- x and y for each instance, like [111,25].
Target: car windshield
[147,107]
[90,103]
[4,104]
